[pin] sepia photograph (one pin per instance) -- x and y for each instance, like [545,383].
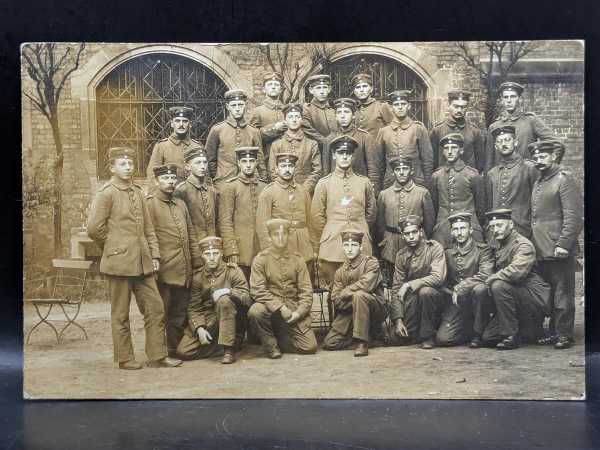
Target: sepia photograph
[367,220]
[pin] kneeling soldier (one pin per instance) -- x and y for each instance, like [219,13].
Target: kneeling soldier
[469,304]
[419,275]
[280,287]
[220,297]
[358,297]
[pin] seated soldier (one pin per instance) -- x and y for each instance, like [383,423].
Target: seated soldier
[417,297]
[282,293]
[468,303]
[219,299]
[521,296]
[357,296]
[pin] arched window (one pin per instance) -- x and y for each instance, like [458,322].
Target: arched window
[132,104]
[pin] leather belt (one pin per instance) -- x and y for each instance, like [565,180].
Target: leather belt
[298,224]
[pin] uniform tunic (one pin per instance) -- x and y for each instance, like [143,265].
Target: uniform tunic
[372,115]
[168,151]
[474,143]
[289,201]
[318,120]
[341,199]
[202,201]
[223,138]
[263,118]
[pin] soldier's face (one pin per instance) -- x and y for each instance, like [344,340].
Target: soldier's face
[400,108]
[247,166]
[343,159]
[279,238]
[180,125]
[236,108]
[293,120]
[351,249]
[510,100]
[452,152]
[362,91]
[501,228]
[320,91]
[273,88]
[403,174]
[167,182]
[286,170]
[543,161]
[505,144]
[198,166]
[412,235]
[457,109]
[461,231]
[344,116]
[123,168]
[212,257]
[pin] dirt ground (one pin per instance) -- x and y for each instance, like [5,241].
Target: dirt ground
[81,369]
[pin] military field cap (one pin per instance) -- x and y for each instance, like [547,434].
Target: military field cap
[410,220]
[246,152]
[343,143]
[459,94]
[344,103]
[352,235]
[236,94]
[121,152]
[272,76]
[460,217]
[181,111]
[278,225]
[211,243]
[399,161]
[316,80]
[499,214]
[292,107]
[286,157]
[546,146]
[361,78]
[512,86]
[503,130]
[402,94]
[166,169]
[452,138]
[193,152]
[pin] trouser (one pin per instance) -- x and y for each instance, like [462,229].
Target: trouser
[470,315]
[560,274]
[361,316]
[221,325]
[274,332]
[150,305]
[422,312]
[326,273]
[175,299]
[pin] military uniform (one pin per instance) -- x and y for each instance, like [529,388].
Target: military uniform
[474,142]
[202,201]
[121,225]
[263,118]
[371,114]
[318,118]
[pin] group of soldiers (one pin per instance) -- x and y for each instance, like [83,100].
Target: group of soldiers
[453,236]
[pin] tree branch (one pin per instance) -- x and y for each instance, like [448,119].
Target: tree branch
[70,71]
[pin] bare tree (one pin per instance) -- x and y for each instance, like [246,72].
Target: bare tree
[49,66]
[501,59]
[295,72]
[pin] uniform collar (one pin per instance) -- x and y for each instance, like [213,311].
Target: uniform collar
[420,248]
[343,173]
[506,116]
[234,123]
[404,124]
[294,135]
[217,271]
[244,179]
[194,182]
[406,188]
[355,262]
[278,256]
[464,250]
[120,184]
[458,166]
[350,129]
[175,140]
[512,161]
[318,104]
[367,102]
[455,124]
[164,197]
[283,185]
[277,105]
[551,173]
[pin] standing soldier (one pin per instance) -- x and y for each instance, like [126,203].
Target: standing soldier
[468,303]
[268,117]
[219,299]
[372,114]
[358,298]
[121,225]
[417,297]
[318,117]
[308,166]
[172,149]
[282,293]
[401,199]
[474,142]
[510,182]
[520,295]
[200,197]
[557,220]
[224,137]
[403,137]
[341,199]
[528,126]
[237,212]
[286,199]
[178,247]
[456,187]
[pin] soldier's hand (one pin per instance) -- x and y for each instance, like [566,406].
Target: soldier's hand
[400,328]
[455,298]
[156,264]
[204,336]
[281,126]
[490,280]
[560,252]
[285,313]
[403,290]
[293,318]
[234,259]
